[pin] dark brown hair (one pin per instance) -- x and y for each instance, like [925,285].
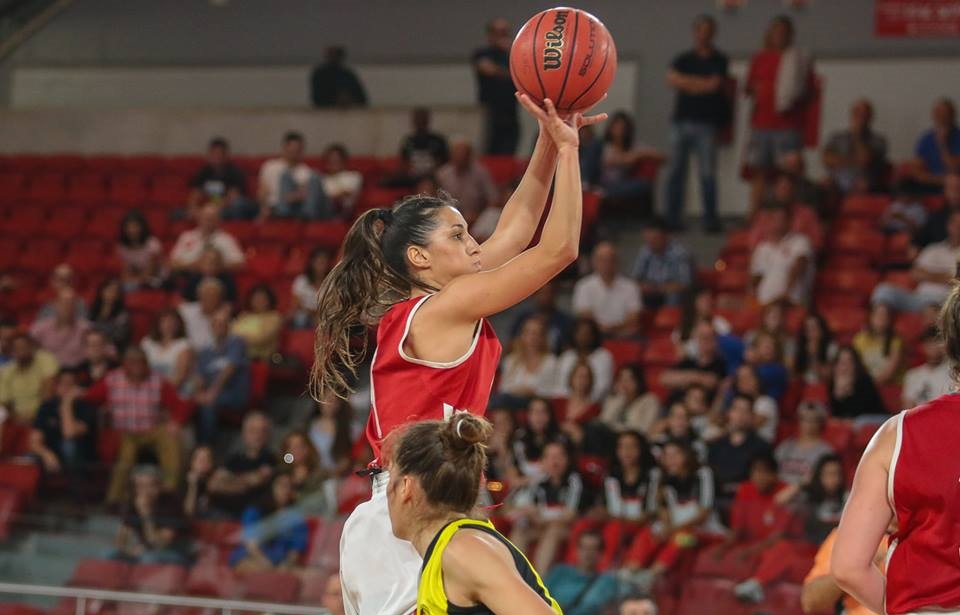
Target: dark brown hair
[950,328]
[372,275]
[155,333]
[447,457]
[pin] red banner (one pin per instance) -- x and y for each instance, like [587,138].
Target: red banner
[917,18]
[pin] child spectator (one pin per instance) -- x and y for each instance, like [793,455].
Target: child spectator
[630,406]
[851,389]
[587,346]
[140,252]
[332,435]
[933,378]
[154,529]
[168,350]
[260,324]
[529,369]
[196,499]
[879,347]
[108,313]
[815,350]
[274,531]
[797,456]
[306,286]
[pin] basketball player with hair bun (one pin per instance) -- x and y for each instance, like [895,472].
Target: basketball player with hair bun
[416,272]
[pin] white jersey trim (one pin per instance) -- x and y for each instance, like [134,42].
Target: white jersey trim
[893,462]
[373,398]
[434,364]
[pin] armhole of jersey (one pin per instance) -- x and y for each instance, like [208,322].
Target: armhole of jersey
[434,364]
[893,462]
[373,397]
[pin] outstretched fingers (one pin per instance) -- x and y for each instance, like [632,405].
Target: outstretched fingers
[590,120]
[532,108]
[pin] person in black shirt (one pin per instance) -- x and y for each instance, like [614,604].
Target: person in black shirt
[495,89]
[706,370]
[730,457]
[63,435]
[98,359]
[334,85]
[422,152]
[154,528]
[246,475]
[700,111]
[222,181]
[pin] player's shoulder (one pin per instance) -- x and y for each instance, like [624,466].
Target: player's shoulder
[472,549]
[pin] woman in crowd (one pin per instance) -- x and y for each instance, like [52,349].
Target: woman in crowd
[108,313]
[541,429]
[699,306]
[628,497]
[260,324]
[677,427]
[880,348]
[529,370]
[746,381]
[630,406]
[274,532]
[305,288]
[815,350]
[799,455]
[141,254]
[773,322]
[300,459]
[578,408]
[851,389]
[620,158]
[168,350]
[332,435]
[196,499]
[587,346]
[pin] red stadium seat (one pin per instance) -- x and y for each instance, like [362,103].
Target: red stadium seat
[324,553]
[717,593]
[838,433]
[87,189]
[866,243]
[10,505]
[184,166]
[19,609]
[270,586]
[26,221]
[372,197]
[312,588]
[910,325]
[299,343]
[737,241]
[660,351]
[157,578]
[900,278]
[259,375]
[624,351]
[845,322]
[731,566]
[591,211]
[733,280]
[784,599]
[667,318]
[286,232]
[100,574]
[127,191]
[265,265]
[852,282]
[45,188]
[9,252]
[243,231]
[64,223]
[12,186]
[501,168]
[892,395]
[327,235]
[213,580]
[869,206]
[168,191]
[40,256]
[896,250]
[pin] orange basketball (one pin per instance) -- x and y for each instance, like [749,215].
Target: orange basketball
[566,55]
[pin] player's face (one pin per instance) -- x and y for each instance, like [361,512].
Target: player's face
[452,251]
[628,450]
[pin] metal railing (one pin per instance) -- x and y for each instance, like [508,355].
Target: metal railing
[227,607]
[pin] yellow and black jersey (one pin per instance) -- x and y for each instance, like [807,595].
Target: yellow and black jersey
[431,597]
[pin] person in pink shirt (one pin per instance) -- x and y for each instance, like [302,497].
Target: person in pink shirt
[63,333]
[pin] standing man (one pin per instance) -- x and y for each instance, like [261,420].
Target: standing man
[495,89]
[700,110]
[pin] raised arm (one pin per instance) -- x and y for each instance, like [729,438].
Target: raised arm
[471,297]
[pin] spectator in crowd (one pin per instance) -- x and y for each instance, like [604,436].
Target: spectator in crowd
[529,369]
[937,152]
[591,158]
[530,441]
[108,313]
[466,180]
[803,218]
[495,89]
[486,223]
[746,381]
[931,379]
[663,267]
[154,529]
[934,268]
[685,511]
[245,475]
[706,369]
[196,315]
[196,498]
[223,377]
[140,253]
[146,412]
[333,84]
[8,330]
[62,333]
[587,346]
[852,390]
[306,286]
[880,348]
[906,213]
[63,437]
[630,406]
[577,409]
[188,250]
[820,590]
[210,265]
[221,181]
[300,460]
[289,188]
[260,324]
[780,81]
[168,349]
[559,324]
[332,432]
[782,264]
[423,151]
[766,359]
[611,299]
[707,423]
[808,192]
[618,165]
[856,158]
[799,455]
[698,306]
[62,278]
[677,426]
[274,532]
[98,359]
[340,184]
[638,605]
[557,500]
[815,350]
[501,461]
[27,378]
[427,185]
[935,229]
[627,495]
[731,455]
[701,109]
[773,322]
[581,589]
[821,498]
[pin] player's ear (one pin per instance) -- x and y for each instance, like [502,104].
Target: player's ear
[418,257]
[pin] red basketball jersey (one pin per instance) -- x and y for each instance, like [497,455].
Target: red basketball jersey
[408,390]
[923,570]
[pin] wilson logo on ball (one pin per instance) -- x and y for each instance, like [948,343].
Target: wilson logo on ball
[553,49]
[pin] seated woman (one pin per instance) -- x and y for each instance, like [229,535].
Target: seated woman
[677,427]
[332,433]
[630,406]
[210,265]
[529,442]
[746,381]
[880,348]
[555,503]
[529,370]
[306,286]
[628,497]
[619,161]
[168,350]
[815,350]
[260,324]
[108,313]
[578,409]
[196,499]
[799,455]
[274,532]
[140,252]
[851,389]
[587,346]
[698,307]
[299,458]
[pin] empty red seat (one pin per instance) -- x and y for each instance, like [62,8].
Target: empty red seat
[19,609]
[897,249]
[157,578]
[10,505]
[212,580]
[40,256]
[26,221]
[127,191]
[866,243]
[243,231]
[732,565]
[838,434]
[270,586]
[660,351]
[717,593]
[299,343]
[100,574]
[46,188]
[500,168]
[87,190]
[667,318]
[844,322]
[375,196]
[64,223]
[169,191]
[147,300]
[12,186]
[859,282]
[910,325]
[900,278]
[265,265]
[286,232]
[624,351]
[733,280]
[327,235]
[865,205]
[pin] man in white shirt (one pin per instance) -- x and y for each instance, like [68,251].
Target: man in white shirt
[934,268]
[932,379]
[289,188]
[782,265]
[186,253]
[466,180]
[197,314]
[611,299]
[340,185]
